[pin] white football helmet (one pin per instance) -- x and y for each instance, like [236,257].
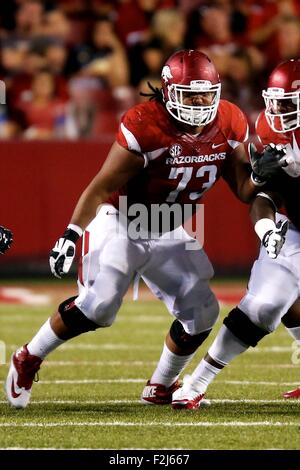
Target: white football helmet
[282,97]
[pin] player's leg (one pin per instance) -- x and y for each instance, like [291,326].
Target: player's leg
[109,263]
[258,314]
[291,321]
[179,277]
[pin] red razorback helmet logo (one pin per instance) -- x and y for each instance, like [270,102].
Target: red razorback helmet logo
[282,97]
[190,71]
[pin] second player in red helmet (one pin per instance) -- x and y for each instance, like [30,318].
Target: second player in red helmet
[282,97]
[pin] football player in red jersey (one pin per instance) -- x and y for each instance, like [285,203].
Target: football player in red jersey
[274,286]
[281,124]
[169,150]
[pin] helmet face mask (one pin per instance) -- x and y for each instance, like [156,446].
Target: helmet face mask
[282,97]
[282,109]
[194,115]
[191,88]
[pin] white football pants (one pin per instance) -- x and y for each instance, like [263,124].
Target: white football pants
[274,284]
[177,276]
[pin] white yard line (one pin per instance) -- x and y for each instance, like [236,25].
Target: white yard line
[148,424]
[140,380]
[136,402]
[100,363]
[147,363]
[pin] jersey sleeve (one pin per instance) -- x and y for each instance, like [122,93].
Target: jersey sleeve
[135,131]
[235,124]
[262,129]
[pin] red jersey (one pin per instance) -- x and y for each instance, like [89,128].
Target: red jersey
[287,184]
[179,167]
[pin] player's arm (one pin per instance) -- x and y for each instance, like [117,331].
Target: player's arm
[119,167]
[262,212]
[237,173]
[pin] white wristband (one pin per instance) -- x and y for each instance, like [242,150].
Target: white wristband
[76,229]
[262,226]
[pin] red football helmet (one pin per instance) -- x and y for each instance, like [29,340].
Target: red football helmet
[188,72]
[282,97]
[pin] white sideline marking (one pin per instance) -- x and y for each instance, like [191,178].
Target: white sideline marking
[142,424]
[133,402]
[122,380]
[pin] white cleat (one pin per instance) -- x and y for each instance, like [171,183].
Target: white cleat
[188,397]
[23,368]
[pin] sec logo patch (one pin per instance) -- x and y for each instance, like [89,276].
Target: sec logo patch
[175,150]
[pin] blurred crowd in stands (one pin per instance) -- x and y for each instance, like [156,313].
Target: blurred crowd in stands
[72,67]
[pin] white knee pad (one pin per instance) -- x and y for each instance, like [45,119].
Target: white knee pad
[273,288]
[263,312]
[102,310]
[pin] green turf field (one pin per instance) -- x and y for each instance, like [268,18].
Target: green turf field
[88,394]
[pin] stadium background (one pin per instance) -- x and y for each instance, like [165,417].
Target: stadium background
[71,68]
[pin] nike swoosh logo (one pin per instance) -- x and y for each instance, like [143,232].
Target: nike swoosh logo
[214,146]
[13,392]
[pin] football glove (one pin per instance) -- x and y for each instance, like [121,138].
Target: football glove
[266,164]
[63,253]
[273,240]
[6,239]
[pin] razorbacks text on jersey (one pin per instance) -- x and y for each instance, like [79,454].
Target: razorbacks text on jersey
[286,184]
[179,167]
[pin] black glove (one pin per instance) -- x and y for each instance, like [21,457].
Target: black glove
[6,239]
[63,253]
[266,164]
